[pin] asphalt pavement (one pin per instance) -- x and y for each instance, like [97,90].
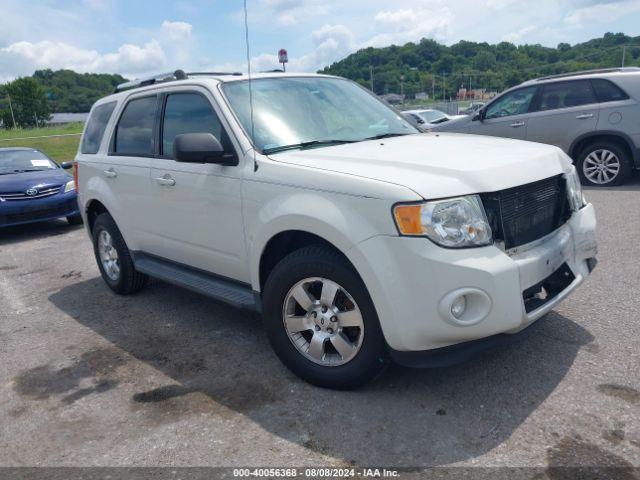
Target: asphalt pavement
[170,378]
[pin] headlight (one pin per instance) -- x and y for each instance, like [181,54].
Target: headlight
[574,190]
[71,185]
[454,222]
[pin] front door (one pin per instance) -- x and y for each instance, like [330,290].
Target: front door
[198,205]
[506,116]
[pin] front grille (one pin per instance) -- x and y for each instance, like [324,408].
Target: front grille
[526,213]
[42,193]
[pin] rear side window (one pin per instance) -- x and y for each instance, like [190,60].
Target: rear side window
[96,125]
[189,113]
[566,95]
[134,134]
[606,91]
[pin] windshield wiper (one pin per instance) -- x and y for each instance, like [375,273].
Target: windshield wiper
[384,135]
[304,145]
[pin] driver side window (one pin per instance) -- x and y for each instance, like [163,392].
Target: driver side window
[512,103]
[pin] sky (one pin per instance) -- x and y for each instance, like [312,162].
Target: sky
[137,37]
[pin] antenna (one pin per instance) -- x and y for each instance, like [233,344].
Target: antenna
[246,38]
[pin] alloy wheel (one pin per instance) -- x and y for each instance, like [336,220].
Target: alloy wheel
[601,166]
[108,255]
[323,321]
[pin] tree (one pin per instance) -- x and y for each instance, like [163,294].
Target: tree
[30,107]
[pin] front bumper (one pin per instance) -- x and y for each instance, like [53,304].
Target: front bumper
[19,212]
[412,282]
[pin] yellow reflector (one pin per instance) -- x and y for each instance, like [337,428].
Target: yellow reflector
[408,219]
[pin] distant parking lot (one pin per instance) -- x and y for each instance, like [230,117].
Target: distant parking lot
[167,377]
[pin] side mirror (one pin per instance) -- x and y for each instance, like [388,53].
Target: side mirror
[201,148]
[478,116]
[66,165]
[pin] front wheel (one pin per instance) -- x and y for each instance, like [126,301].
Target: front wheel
[321,321]
[604,164]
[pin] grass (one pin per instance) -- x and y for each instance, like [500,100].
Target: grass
[59,149]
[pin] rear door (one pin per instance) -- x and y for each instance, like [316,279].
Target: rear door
[563,112]
[507,116]
[198,205]
[126,168]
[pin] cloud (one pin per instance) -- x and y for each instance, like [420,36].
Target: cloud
[411,24]
[604,12]
[288,13]
[22,58]
[516,36]
[176,31]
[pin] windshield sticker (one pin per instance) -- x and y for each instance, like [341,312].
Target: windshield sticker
[40,163]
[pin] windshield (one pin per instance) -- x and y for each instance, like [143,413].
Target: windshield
[307,112]
[432,115]
[18,161]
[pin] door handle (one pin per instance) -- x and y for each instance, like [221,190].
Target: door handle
[166,180]
[517,124]
[110,173]
[583,116]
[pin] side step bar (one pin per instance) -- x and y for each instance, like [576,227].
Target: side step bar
[228,291]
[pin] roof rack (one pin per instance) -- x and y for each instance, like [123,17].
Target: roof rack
[165,77]
[588,72]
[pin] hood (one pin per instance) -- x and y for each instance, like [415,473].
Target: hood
[21,182]
[437,165]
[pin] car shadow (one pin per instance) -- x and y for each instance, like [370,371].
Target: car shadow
[30,231]
[218,358]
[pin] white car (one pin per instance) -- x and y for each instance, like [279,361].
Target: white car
[430,116]
[356,236]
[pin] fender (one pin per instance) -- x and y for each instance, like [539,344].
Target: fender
[342,224]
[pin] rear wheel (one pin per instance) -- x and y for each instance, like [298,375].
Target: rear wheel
[321,321]
[114,259]
[604,164]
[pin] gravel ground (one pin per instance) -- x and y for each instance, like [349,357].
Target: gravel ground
[167,377]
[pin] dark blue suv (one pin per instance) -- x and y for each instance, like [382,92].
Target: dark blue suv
[34,188]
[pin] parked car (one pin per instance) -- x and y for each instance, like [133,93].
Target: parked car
[472,108]
[356,236]
[34,188]
[594,116]
[430,116]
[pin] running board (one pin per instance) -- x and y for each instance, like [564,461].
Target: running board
[228,291]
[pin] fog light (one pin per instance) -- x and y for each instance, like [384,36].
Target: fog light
[458,306]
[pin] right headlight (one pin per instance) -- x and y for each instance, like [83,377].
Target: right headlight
[454,222]
[574,190]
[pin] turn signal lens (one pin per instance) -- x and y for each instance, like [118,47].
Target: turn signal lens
[408,219]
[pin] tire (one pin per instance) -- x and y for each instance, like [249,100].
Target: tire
[323,266]
[613,156]
[127,280]
[74,219]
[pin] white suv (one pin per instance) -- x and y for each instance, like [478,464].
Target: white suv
[308,199]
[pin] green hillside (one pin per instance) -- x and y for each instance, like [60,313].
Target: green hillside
[494,67]
[68,91]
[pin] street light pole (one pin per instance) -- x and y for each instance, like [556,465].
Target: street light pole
[371,77]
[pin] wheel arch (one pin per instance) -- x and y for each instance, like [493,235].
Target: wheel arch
[94,208]
[282,243]
[621,139]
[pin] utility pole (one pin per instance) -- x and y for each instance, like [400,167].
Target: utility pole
[624,52]
[11,108]
[371,77]
[433,87]
[402,87]
[444,99]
